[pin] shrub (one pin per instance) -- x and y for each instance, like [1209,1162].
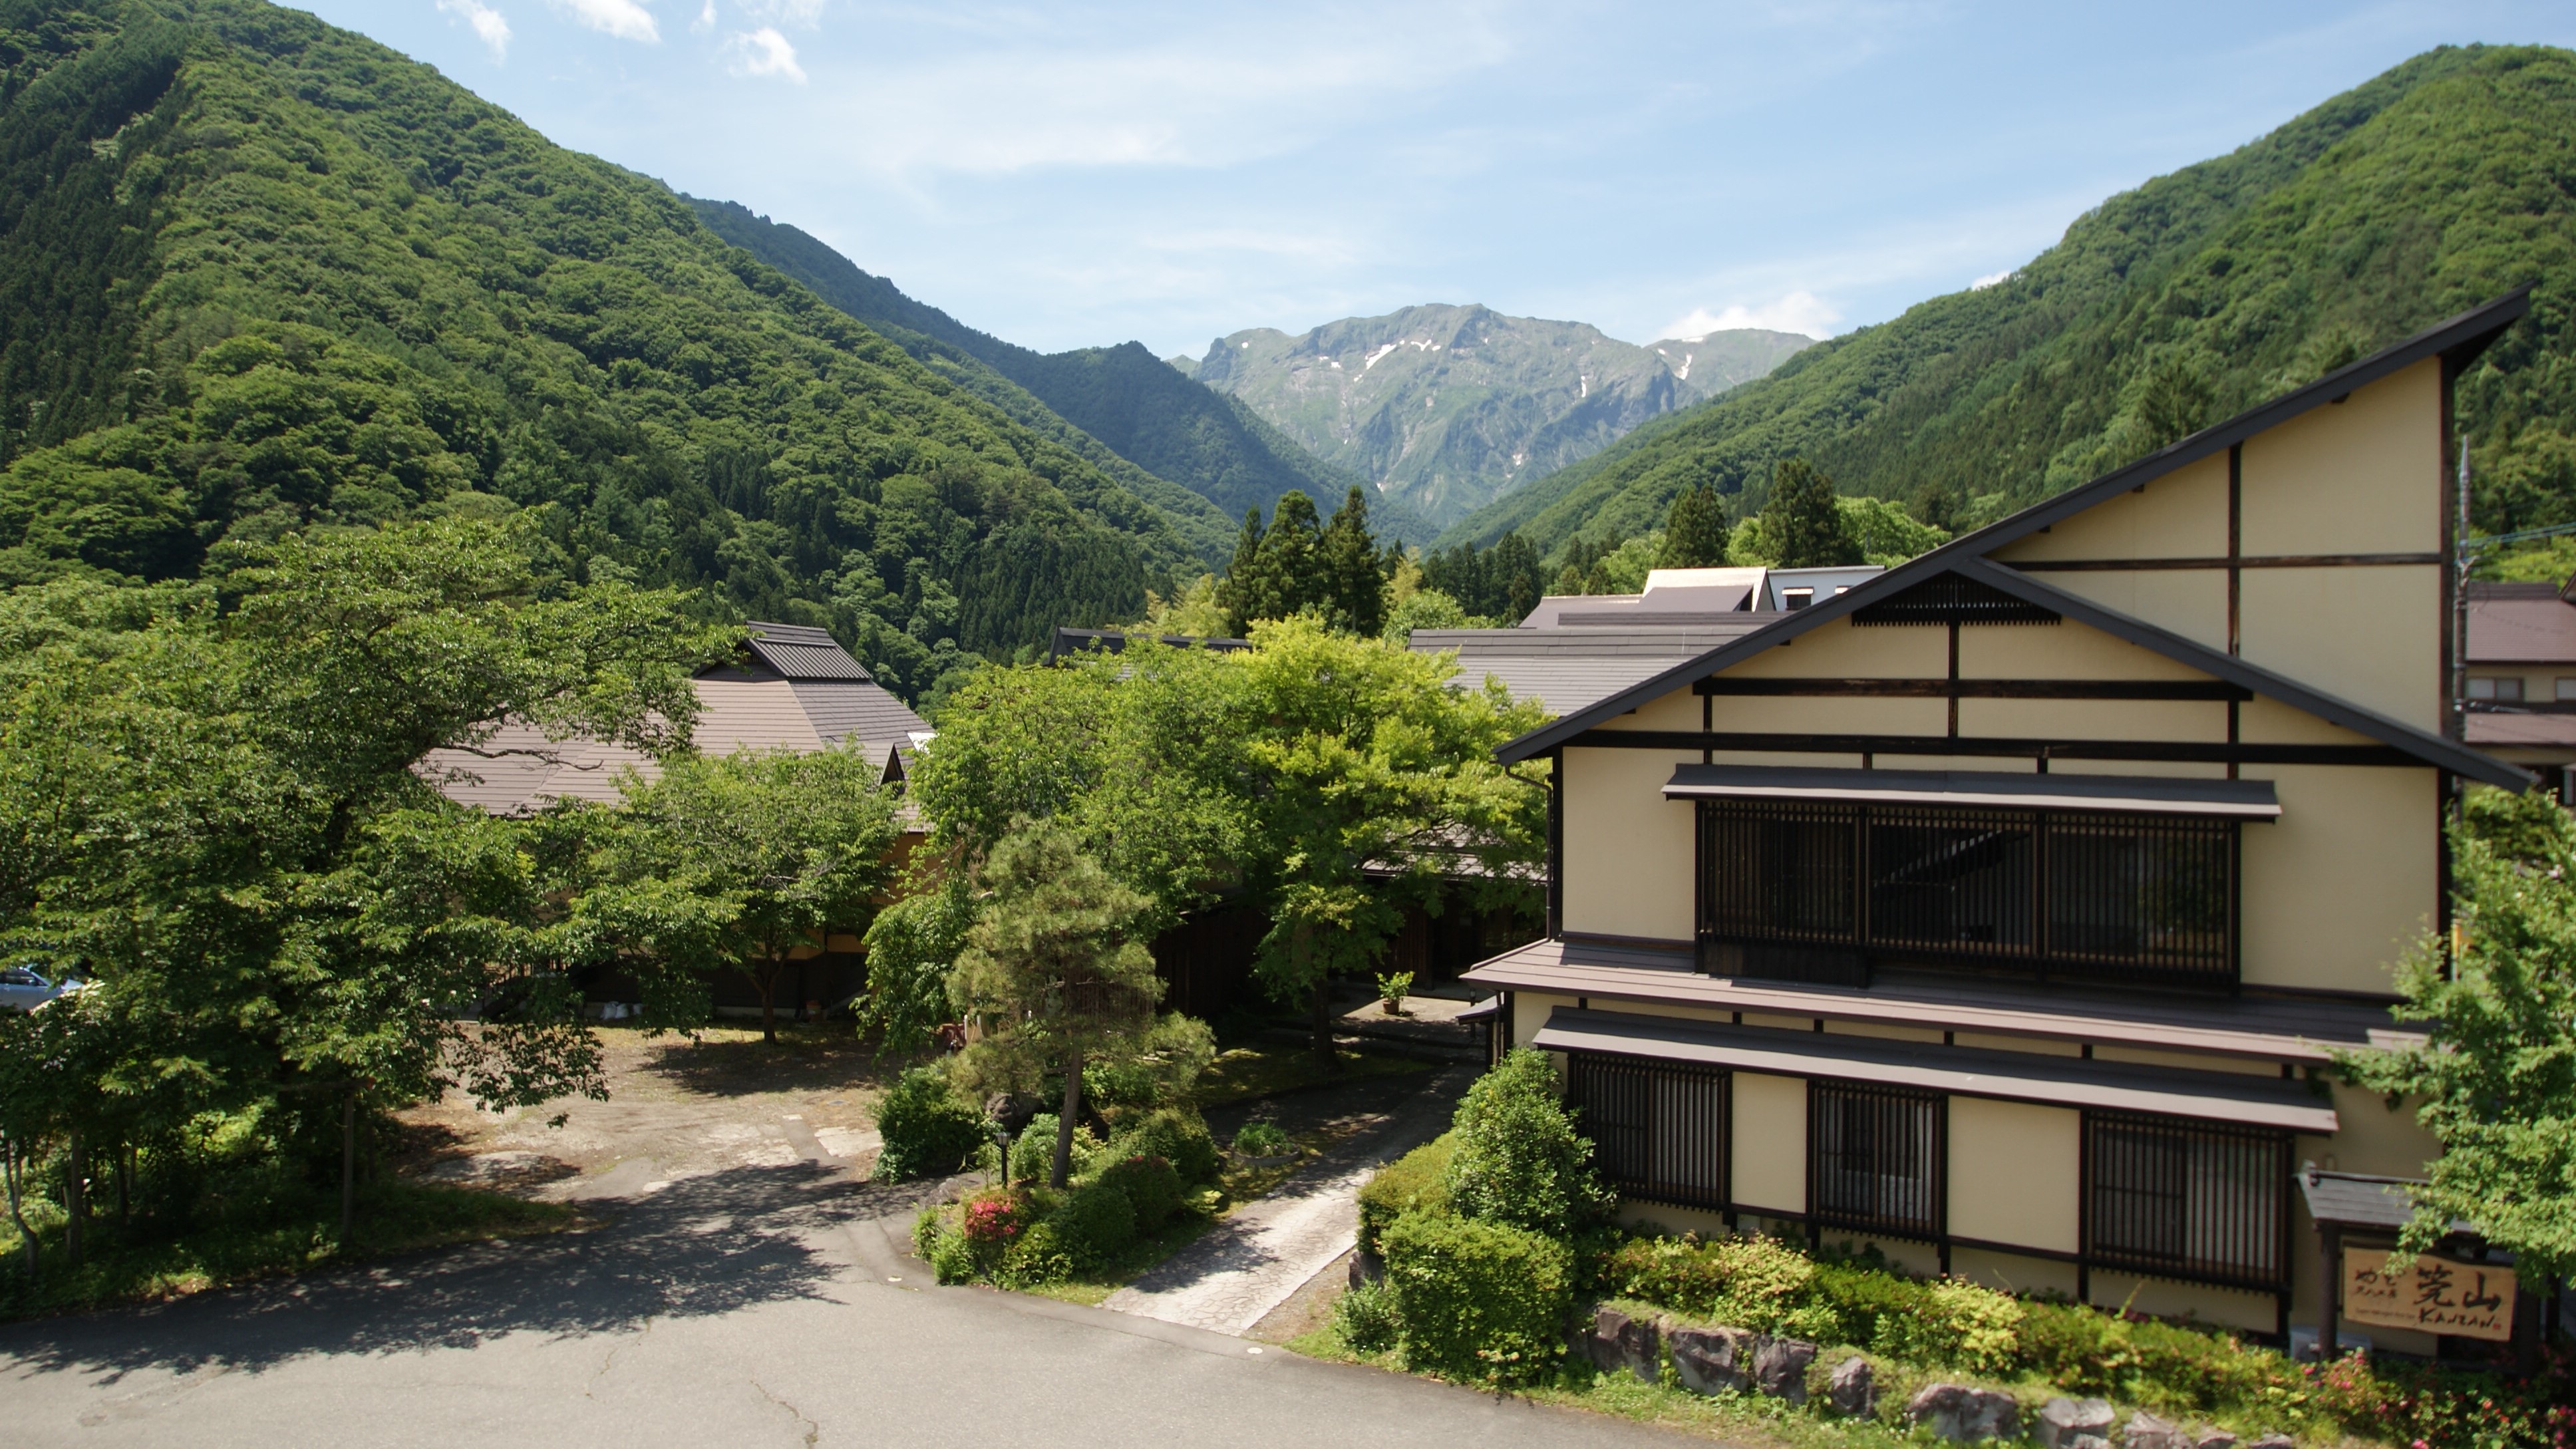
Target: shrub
[1478,1301]
[1150,1186]
[1417,1180]
[943,1247]
[1040,1256]
[1178,1136]
[1758,1283]
[996,1216]
[1263,1139]
[1953,1324]
[1093,1223]
[1518,1159]
[929,1130]
[1365,1318]
[1033,1151]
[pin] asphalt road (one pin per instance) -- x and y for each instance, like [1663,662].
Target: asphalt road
[748,1307]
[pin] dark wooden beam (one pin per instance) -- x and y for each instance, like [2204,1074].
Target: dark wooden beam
[2213,752]
[2166,689]
[2221,561]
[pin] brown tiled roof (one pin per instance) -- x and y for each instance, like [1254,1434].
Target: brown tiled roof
[2520,624]
[2501,728]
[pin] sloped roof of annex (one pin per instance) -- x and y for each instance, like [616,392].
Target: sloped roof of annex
[2457,340]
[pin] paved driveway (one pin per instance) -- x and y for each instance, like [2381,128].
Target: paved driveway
[746,1307]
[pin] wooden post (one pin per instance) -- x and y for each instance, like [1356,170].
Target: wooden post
[2329,1289]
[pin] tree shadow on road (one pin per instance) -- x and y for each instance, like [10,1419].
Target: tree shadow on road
[700,1247]
[797,1062]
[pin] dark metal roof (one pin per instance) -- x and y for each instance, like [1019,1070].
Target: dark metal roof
[2357,1200]
[2458,340]
[1114,641]
[843,708]
[2303,1029]
[2129,794]
[799,651]
[1959,1071]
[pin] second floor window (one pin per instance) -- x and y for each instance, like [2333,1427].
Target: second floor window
[2102,896]
[2507,690]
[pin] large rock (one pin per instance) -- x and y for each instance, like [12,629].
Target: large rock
[2213,1439]
[1964,1414]
[1714,1360]
[2275,1441]
[1780,1367]
[2146,1431]
[1619,1341]
[1853,1390]
[2074,1424]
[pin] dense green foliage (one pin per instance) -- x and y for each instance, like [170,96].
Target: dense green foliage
[1695,532]
[265,274]
[1501,583]
[1478,1301]
[1801,522]
[929,1130]
[214,816]
[1122,406]
[1417,1180]
[2417,195]
[1298,564]
[1516,1157]
[2494,1078]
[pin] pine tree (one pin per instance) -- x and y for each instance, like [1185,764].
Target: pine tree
[1803,521]
[1243,592]
[1695,531]
[1514,590]
[1293,558]
[1355,569]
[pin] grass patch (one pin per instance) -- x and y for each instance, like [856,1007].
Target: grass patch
[1246,1072]
[392,1217]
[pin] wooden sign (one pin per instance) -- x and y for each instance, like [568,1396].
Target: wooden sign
[2437,1295]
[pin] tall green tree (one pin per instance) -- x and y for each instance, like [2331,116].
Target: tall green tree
[788,848]
[1354,570]
[1695,532]
[2494,1078]
[1801,519]
[1053,973]
[1246,592]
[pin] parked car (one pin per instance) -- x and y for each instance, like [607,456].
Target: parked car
[22,988]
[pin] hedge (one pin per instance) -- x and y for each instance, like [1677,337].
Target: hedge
[1479,1301]
[1418,1179]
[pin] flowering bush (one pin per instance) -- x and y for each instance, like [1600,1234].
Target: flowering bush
[996,1217]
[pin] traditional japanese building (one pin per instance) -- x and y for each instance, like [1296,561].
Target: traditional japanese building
[2006,909]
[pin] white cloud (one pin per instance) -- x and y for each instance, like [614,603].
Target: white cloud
[807,13]
[706,20]
[625,19]
[1801,311]
[764,52]
[489,26]
[1990,278]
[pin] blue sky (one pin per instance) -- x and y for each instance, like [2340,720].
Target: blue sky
[1065,175]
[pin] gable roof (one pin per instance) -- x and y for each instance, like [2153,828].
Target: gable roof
[2456,341]
[800,651]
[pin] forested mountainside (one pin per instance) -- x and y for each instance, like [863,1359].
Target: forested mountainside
[259,274]
[1122,403]
[1451,407]
[2430,189]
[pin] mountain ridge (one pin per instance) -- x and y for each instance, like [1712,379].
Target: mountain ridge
[1447,406]
[2425,190]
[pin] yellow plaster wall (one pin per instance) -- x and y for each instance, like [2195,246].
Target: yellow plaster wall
[1627,849]
[2014,1173]
[2094,719]
[2371,1138]
[2181,515]
[2361,476]
[2261,720]
[1529,1013]
[2190,602]
[2011,1272]
[2372,636]
[2187,1061]
[2338,887]
[2160,1298]
[1676,710]
[1852,715]
[1842,649]
[1770,1142]
[2066,650]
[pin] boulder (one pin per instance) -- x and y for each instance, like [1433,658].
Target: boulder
[2074,1424]
[1958,1412]
[2275,1441]
[1619,1341]
[1714,1360]
[1780,1367]
[2213,1439]
[1853,1390]
[2146,1431]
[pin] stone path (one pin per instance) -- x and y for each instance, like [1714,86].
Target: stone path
[1231,1276]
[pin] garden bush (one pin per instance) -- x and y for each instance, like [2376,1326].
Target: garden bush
[1365,1318]
[1263,1139]
[1152,1189]
[1478,1301]
[929,1130]
[937,1241]
[1417,1180]
[1178,1136]
[1041,1256]
[1033,1151]
[1518,1159]
[1092,1224]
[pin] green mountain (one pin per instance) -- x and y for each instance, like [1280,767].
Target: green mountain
[2431,188]
[259,274]
[1139,411]
[1448,408]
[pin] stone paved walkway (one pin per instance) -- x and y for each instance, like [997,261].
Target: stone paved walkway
[1231,1276]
